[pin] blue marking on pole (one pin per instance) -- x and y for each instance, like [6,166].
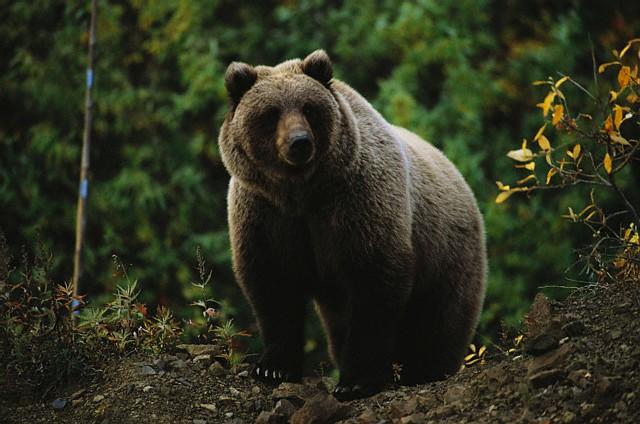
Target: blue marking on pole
[84,188]
[75,303]
[89,78]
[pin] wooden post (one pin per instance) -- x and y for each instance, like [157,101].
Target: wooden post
[83,191]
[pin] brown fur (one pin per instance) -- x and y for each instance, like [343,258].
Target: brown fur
[379,229]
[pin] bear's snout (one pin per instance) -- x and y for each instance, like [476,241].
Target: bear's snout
[300,149]
[296,144]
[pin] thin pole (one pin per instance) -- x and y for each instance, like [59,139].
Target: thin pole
[83,191]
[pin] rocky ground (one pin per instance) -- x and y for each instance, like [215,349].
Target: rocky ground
[580,362]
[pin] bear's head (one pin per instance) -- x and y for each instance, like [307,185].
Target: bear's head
[282,120]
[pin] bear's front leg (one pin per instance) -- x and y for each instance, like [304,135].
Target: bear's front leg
[281,321]
[376,305]
[278,298]
[271,265]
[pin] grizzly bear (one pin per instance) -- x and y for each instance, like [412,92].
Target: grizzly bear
[329,203]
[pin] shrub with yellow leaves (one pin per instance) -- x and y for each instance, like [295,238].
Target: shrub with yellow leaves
[595,149]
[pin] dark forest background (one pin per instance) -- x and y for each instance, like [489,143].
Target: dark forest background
[456,72]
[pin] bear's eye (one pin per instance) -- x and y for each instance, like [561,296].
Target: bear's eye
[268,120]
[310,112]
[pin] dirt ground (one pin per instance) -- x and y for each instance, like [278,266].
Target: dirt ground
[579,363]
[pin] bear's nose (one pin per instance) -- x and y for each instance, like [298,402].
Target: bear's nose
[300,149]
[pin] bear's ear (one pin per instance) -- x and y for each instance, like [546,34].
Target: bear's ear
[238,79]
[318,66]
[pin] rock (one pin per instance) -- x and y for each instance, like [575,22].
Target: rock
[547,340]
[623,307]
[427,400]
[77,394]
[234,392]
[202,359]
[228,415]
[268,417]
[440,412]
[368,417]
[574,328]
[98,398]
[606,386]
[495,375]
[285,408]
[546,377]
[196,350]
[226,399]
[59,404]
[418,418]
[147,370]
[401,408]
[216,369]
[183,381]
[199,421]
[209,407]
[549,360]
[160,363]
[147,389]
[321,408]
[579,377]
[455,394]
[568,417]
[297,393]
[76,402]
[538,317]
[243,374]
[178,364]
[255,390]
[615,334]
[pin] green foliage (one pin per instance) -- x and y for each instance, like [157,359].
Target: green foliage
[456,72]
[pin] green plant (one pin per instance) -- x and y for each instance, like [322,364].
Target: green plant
[45,342]
[39,339]
[214,325]
[124,324]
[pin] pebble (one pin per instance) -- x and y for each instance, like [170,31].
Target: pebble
[199,421]
[98,398]
[216,369]
[243,374]
[255,390]
[146,388]
[568,417]
[77,394]
[202,358]
[268,417]
[196,350]
[546,377]
[209,407]
[284,407]
[147,370]
[178,364]
[59,404]
[413,419]
[455,394]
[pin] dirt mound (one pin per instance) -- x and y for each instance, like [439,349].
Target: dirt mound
[580,363]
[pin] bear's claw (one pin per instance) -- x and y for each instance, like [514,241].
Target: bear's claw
[355,391]
[270,375]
